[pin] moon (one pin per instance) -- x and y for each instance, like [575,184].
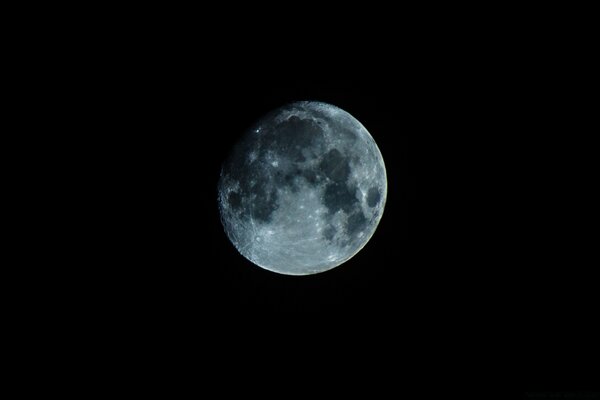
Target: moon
[303,190]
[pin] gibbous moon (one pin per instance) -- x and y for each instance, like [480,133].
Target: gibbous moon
[303,190]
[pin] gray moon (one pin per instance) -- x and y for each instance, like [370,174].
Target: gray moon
[303,190]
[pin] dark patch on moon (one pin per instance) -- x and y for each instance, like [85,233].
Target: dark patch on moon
[311,177]
[282,178]
[329,232]
[288,177]
[335,166]
[264,201]
[235,200]
[262,210]
[373,197]
[356,223]
[291,136]
[338,196]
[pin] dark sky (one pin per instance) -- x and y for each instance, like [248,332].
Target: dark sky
[448,289]
[428,287]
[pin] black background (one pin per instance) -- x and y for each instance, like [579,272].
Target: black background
[433,286]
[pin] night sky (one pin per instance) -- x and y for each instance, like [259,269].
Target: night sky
[442,293]
[483,282]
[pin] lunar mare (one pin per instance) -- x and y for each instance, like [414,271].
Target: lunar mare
[304,189]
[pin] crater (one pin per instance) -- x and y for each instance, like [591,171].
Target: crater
[373,197]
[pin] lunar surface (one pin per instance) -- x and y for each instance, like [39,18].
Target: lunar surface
[303,190]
